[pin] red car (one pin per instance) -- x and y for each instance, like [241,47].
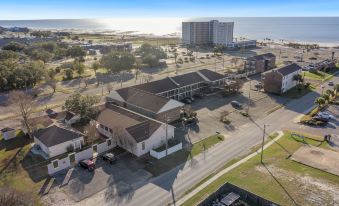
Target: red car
[87,164]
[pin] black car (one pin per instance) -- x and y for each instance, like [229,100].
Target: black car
[186,101]
[87,164]
[320,118]
[109,157]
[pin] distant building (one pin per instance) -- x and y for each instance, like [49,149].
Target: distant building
[259,63]
[131,131]
[242,44]
[207,33]
[280,80]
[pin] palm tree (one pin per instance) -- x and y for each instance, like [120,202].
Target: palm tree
[326,97]
[320,101]
[336,89]
[330,93]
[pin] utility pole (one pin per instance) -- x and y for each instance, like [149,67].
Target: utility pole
[215,64]
[262,145]
[249,98]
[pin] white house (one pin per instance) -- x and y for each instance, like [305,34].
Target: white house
[134,132]
[71,118]
[8,133]
[56,140]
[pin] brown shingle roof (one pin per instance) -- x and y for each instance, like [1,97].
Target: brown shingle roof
[211,75]
[289,69]
[158,86]
[138,126]
[55,135]
[143,99]
[261,56]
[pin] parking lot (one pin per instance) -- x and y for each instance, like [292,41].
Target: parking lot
[210,108]
[330,128]
[120,179]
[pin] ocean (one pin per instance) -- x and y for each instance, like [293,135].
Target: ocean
[302,29]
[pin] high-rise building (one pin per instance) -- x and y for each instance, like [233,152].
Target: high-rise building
[211,32]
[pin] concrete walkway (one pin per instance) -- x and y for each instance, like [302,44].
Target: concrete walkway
[224,171]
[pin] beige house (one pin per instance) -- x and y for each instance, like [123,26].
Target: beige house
[259,63]
[134,132]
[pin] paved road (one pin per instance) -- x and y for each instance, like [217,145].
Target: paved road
[168,187]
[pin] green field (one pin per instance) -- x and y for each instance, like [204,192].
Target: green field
[279,179]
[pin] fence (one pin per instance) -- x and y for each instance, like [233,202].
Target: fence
[246,196]
[162,154]
[73,158]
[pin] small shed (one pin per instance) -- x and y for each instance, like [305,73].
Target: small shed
[8,133]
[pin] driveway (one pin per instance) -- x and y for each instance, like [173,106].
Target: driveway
[119,180]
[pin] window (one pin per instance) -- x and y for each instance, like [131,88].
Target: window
[102,126]
[109,142]
[106,128]
[56,164]
[143,146]
[110,130]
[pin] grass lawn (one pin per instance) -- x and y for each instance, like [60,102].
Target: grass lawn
[18,168]
[280,179]
[160,166]
[320,75]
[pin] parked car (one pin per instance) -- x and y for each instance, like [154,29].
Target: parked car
[186,101]
[198,96]
[87,164]
[191,98]
[314,122]
[325,115]
[109,157]
[330,84]
[321,118]
[236,104]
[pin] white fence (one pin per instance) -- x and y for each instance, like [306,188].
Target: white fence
[61,164]
[162,154]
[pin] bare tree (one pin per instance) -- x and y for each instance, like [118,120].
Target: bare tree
[24,104]
[109,87]
[52,83]
[91,132]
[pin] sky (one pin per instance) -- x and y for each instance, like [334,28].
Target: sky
[77,9]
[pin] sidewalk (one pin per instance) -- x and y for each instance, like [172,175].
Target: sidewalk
[183,199]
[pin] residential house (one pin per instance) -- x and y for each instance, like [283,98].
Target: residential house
[148,104]
[56,140]
[185,85]
[134,132]
[259,63]
[8,133]
[282,79]
[70,118]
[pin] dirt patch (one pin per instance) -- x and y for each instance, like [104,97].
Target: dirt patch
[305,189]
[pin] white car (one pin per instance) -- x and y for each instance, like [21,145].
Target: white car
[325,115]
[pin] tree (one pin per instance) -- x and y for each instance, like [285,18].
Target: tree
[78,67]
[8,54]
[76,51]
[320,101]
[52,83]
[150,54]
[298,78]
[14,46]
[150,60]
[12,197]
[117,61]
[336,89]
[95,66]
[91,132]
[82,106]
[24,104]
[175,58]
[330,93]
[326,97]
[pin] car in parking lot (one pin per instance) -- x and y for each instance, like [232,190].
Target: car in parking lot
[236,104]
[109,157]
[186,101]
[330,84]
[325,115]
[321,118]
[87,164]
